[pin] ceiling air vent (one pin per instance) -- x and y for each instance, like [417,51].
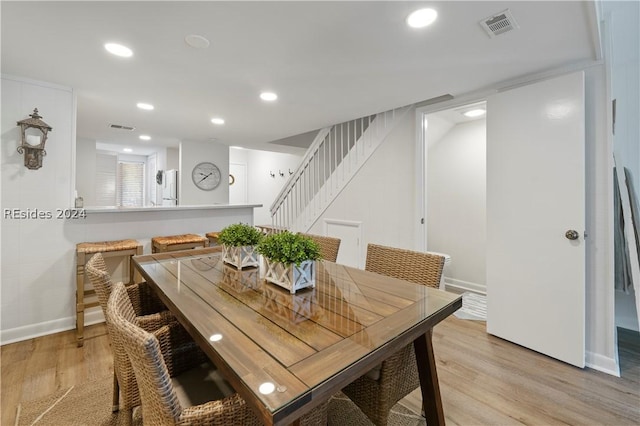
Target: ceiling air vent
[121,127]
[499,24]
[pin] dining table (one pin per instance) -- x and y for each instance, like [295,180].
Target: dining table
[286,354]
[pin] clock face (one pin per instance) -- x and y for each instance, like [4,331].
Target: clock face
[206,176]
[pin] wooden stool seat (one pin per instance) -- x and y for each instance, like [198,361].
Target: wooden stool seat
[106,246]
[84,252]
[177,242]
[212,237]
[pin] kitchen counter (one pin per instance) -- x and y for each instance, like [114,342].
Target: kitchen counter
[111,209]
[144,223]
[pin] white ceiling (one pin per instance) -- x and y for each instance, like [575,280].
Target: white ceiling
[441,122]
[328,61]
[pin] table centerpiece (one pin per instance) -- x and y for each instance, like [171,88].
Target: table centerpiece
[289,260]
[238,245]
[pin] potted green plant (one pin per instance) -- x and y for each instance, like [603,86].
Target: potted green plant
[238,245]
[289,260]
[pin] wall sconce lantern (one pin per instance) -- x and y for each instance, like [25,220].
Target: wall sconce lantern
[33,132]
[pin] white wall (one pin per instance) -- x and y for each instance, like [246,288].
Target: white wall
[132,158]
[456,201]
[37,264]
[239,155]
[86,170]
[192,153]
[381,195]
[262,188]
[172,159]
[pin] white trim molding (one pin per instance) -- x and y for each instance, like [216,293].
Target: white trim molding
[46,328]
[460,286]
[602,363]
[350,223]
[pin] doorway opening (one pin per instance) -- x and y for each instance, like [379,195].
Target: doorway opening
[455,193]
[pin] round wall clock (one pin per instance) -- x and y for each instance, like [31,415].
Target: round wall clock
[206,176]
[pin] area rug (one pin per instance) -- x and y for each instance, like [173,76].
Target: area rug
[343,412]
[474,307]
[89,404]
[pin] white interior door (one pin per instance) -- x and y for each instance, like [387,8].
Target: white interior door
[535,194]
[237,183]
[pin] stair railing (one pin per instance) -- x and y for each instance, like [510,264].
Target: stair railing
[331,161]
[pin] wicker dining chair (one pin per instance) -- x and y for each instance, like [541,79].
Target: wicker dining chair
[150,314]
[328,246]
[161,403]
[381,388]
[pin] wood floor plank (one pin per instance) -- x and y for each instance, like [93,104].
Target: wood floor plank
[15,356]
[484,380]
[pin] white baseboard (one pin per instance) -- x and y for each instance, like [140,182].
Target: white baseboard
[31,331]
[459,286]
[602,363]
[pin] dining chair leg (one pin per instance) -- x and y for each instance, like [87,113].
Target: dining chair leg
[116,394]
[127,416]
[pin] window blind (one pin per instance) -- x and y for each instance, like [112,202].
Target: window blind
[130,184]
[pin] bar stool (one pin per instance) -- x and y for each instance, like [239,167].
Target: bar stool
[213,238]
[177,242]
[84,252]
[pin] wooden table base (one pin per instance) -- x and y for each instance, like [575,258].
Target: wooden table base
[431,400]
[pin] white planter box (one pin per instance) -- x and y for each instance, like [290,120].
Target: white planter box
[240,257]
[291,277]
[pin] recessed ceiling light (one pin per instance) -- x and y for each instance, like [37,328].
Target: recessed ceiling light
[474,113]
[145,137]
[118,50]
[127,149]
[217,120]
[268,96]
[422,18]
[142,105]
[196,41]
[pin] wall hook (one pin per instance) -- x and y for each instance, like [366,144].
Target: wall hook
[272,174]
[281,174]
[290,172]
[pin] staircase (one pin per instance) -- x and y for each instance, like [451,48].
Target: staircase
[332,160]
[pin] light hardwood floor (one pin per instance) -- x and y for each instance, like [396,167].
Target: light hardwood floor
[484,380]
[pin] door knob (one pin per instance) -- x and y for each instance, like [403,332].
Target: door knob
[571,234]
